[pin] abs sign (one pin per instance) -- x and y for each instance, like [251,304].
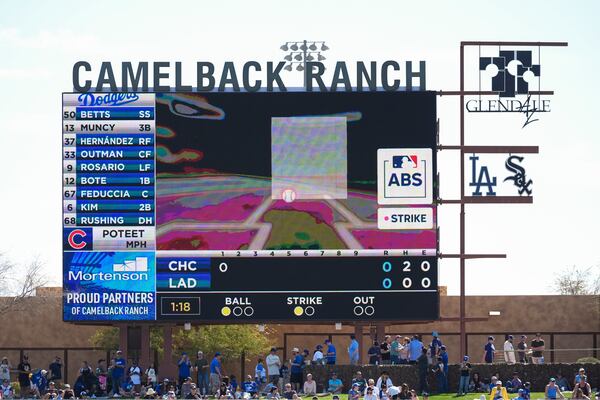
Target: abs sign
[404,176]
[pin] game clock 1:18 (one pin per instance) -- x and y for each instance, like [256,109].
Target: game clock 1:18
[180,306]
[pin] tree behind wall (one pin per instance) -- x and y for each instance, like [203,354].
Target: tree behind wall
[18,282]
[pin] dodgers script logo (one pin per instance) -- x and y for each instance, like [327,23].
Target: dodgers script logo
[404,176]
[505,83]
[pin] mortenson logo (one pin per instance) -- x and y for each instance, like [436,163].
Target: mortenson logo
[106,276]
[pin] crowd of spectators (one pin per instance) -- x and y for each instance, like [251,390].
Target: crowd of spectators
[276,379]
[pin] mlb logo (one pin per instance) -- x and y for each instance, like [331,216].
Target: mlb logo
[78,239]
[405,161]
[404,176]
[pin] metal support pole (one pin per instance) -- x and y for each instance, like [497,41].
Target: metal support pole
[463,337]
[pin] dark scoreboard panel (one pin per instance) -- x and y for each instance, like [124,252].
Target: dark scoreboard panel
[241,207]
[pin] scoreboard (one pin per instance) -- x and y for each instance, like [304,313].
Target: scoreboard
[249,207]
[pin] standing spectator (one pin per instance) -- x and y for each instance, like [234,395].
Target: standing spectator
[385,350]
[5,368]
[395,349]
[318,357]
[55,369]
[184,365]
[260,374]
[202,372]
[442,382]
[537,345]
[310,386]
[331,352]
[24,370]
[404,351]
[360,381]
[273,366]
[489,351]
[522,346]
[118,371]
[135,374]
[296,370]
[152,374]
[444,356]
[465,372]
[552,391]
[353,350]
[509,350]
[422,366]
[415,349]
[335,385]
[215,374]
[374,353]
[436,345]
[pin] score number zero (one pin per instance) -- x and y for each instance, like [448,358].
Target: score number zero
[406,281]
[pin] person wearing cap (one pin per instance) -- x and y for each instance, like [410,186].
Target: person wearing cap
[150,394]
[273,366]
[353,350]
[465,372]
[521,395]
[489,351]
[509,350]
[216,371]
[335,385]
[310,386]
[441,379]
[499,392]
[184,366]
[553,391]
[318,357]
[354,393]
[444,355]
[522,347]
[186,387]
[273,393]
[297,362]
[331,352]
[580,373]
[202,372]
[514,384]
[436,344]
[360,381]
[118,371]
[537,347]
[370,393]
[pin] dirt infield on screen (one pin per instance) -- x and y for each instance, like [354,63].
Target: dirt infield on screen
[235,212]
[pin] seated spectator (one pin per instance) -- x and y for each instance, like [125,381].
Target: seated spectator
[476,384]
[360,380]
[249,386]
[578,394]
[7,390]
[335,384]
[498,392]
[527,390]
[354,393]
[193,394]
[393,392]
[186,387]
[150,394]
[371,385]
[68,392]
[273,393]
[288,393]
[310,386]
[492,384]
[405,392]
[562,382]
[553,391]
[384,379]
[584,386]
[578,376]
[521,395]
[370,393]
[514,384]
[383,395]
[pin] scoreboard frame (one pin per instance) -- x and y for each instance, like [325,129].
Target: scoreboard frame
[181,312]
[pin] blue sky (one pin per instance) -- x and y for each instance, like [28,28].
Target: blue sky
[40,41]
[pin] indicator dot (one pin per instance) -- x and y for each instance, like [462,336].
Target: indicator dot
[386,218]
[225,311]
[298,311]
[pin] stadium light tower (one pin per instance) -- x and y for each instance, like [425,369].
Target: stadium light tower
[302,52]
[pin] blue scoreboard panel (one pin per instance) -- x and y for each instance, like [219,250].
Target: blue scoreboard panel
[249,207]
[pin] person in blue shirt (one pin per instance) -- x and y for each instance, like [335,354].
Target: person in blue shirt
[415,348]
[118,372]
[296,370]
[444,356]
[353,350]
[335,384]
[521,395]
[489,351]
[331,352]
[249,386]
[215,374]
[185,366]
[436,345]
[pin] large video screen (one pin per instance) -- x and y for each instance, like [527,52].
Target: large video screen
[246,207]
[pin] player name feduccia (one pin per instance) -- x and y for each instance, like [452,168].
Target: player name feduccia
[114,194]
[110,298]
